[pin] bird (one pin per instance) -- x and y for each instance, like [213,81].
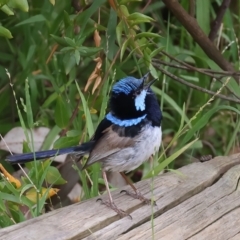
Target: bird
[129,134]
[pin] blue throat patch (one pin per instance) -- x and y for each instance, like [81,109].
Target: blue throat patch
[124,123]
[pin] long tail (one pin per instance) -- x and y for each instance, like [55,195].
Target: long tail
[28,157]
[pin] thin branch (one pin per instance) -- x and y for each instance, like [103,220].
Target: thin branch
[190,67]
[202,70]
[194,86]
[218,20]
[198,35]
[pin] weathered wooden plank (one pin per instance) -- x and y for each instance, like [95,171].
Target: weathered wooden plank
[94,221]
[213,213]
[236,237]
[197,177]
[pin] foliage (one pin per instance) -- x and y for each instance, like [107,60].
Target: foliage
[61,64]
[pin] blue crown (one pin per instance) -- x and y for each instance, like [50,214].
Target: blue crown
[127,85]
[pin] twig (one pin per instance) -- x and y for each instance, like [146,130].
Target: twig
[198,35]
[146,5]
[202,70]
[198,70]
[218,20]
[188,65]
[194,86]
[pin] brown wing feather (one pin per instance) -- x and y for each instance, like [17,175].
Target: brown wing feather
[107,145]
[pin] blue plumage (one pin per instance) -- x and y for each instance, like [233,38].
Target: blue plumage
[124,123]
[128,135]
[126,85]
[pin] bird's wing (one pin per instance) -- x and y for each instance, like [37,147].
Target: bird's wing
[110,142]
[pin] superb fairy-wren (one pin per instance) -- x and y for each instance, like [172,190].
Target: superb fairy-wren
[128,135]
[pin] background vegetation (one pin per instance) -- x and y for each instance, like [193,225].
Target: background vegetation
[59,60]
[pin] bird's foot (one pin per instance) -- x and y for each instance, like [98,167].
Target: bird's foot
[113,206]
[139,196]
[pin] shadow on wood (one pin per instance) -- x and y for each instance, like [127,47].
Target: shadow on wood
[201,202]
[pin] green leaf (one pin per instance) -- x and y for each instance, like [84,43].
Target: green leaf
[153,71]
[50,138]
[69,62]
[86,15]
[67,21]
[124,47]
[33,19]
[89,51]
[234,86]
[172,103]
[147,35]
[7,10]
[87,113]
[70,42]
[124,10]
[25,188]
[200,123]
[20,4]
[156,51]
[67,142]
[4,32]
[54,177]
[139,17]
[189,78]
[77,56]
[73,133]
[119,30]
[168,160]
[111,33]
[6,221]
[68,49]
[202,15]
[28,105]
[52,2]
[54,95]
[61,115]
[61,41]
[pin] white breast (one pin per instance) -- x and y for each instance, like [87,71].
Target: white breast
[127,159]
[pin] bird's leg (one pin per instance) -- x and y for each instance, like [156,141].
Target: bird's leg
[137,194]
[110,203]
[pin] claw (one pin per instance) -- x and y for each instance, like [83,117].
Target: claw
[112,205]
[140,197]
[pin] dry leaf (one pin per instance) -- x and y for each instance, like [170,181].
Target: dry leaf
[95,76]
[9,177]
[112,4]
[32,194]
[97,83]
[97,38]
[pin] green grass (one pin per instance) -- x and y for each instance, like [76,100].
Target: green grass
[50,59]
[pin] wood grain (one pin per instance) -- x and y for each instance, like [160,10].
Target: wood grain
[202,199]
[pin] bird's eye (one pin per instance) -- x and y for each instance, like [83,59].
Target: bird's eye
[137,92]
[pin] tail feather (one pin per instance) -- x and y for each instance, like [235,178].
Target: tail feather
[28,157]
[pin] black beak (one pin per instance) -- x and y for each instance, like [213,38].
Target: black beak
[144,78]
[148,85]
